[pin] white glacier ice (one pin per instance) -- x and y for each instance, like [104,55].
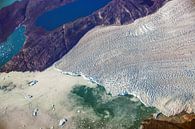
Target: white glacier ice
[152,58]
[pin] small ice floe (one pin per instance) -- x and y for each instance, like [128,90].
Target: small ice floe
[62,122]
[28,97]
[53,107]
[7,88]
[35,112]
[134,99]
[156,115]
[33,82]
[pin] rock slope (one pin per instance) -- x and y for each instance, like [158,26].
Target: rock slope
[157,124]
[24,11]
[43,48]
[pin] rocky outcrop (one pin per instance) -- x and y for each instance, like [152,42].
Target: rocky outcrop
[157,124]
[43,48]
[11,17]
[24,12]
[182,121]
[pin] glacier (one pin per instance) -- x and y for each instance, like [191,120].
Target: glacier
[152,58]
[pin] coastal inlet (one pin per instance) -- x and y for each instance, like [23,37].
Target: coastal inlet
[12,45]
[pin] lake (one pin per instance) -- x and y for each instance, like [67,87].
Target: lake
[80,8]
[12,45]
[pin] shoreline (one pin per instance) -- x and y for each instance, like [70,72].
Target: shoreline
[41,95]
[48,94]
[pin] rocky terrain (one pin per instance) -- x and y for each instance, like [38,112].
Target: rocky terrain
[10,18]
[181,121]
[43,48]
[24,11]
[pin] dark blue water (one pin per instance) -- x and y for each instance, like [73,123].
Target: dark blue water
[69,12]
[148,2]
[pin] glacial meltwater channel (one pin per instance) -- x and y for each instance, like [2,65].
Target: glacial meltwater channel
[12,45]
[69,12]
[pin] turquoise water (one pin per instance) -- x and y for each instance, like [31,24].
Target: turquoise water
[99,110]
[4,3]
[12,45]
[69,12]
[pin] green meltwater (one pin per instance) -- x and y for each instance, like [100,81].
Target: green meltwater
[98,110]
